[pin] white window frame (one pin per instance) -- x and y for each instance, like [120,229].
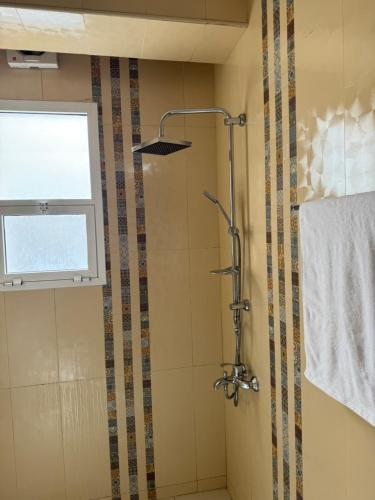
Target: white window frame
[92,208]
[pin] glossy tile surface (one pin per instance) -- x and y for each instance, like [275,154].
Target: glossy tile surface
[31,331]
[84,426]
[205,316]
[209,422]
[173,395]
[8,483]
[4,366]
[38,442]
[201,176]
[79,325]
[170,309]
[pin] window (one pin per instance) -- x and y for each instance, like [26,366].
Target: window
[51,218]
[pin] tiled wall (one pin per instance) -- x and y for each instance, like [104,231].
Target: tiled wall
[277,447]
[74,382]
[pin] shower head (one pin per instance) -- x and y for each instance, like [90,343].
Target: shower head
[161,146]
[209,196]
[216,202]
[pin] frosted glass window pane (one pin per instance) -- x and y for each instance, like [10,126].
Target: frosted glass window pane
[44,156]
[45,243]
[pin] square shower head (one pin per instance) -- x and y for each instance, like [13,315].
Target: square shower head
[161,146]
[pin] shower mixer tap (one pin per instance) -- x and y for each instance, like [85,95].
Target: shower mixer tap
[239,377]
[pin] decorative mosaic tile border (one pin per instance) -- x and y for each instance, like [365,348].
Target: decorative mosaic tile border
[118,146]
[280,244]
[268,201]
[294,247]
[143,280]
[107,297]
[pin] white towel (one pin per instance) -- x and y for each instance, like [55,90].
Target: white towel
[338,283]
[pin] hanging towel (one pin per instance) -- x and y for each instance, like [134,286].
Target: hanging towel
[338,283]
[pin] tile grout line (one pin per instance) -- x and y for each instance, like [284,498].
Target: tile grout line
[188,227]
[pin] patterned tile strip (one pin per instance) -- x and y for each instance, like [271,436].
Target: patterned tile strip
[294,247]
[267,160]
[280,244]
[118,145]
[107,296]
[143,281]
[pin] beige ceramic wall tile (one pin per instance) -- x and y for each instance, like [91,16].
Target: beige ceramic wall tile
[80,332]
[174,435]
[202,176]
[194,9]
[161,36]
[236,10]
[212,483]
[71,82]
[18,84]
[361,443]
[114,35]
[38,443]
[8,481]
[359,135]
[170,318]
[31,330]
[205,307]
[357,42]
[4,368]
[216,43]
[325,481]
[320,119]
[126,7]
[179,489]
[166,196]
[161,88]
[199,92]
[85,439]
[209,423]
[323,438]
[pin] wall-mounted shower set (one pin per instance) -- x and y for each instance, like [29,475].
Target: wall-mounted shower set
[239,378]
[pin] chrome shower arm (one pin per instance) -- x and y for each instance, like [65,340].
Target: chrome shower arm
[198,111]
[192,111]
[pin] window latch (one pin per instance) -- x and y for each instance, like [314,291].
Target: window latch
[43,206]
[15,282]
[80,279]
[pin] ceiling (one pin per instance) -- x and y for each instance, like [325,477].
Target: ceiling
[117,35]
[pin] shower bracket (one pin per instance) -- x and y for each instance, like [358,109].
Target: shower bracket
[236,120]
[244,305]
